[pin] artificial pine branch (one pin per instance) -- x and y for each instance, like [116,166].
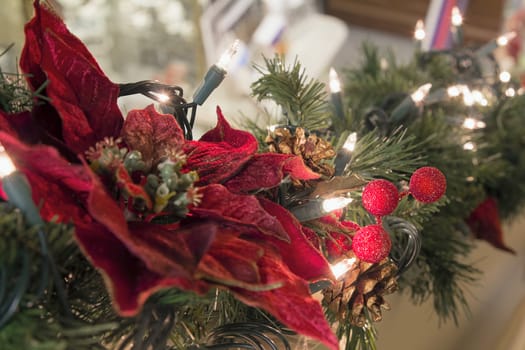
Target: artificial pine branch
[303,100]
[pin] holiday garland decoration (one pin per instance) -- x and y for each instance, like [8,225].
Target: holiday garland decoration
[146,238]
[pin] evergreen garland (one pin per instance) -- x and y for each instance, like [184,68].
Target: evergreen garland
[175,319]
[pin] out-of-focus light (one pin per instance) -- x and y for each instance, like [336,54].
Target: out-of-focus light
[342,267]
[332,204]
[510,92]
[350,142]
[419,31]
[6,164]
[453,91]
[334,82]
[504,39]
[504,77]
[457,18]
[469,146]
[420,94]
[471,123]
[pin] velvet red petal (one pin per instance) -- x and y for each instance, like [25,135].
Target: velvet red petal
[223,132]
[56,184]
[485,223]
[220,204]
[46,20]
[300,255]
[232,261]
[128,279]
[177,258]
[84,97]
[220,153]
[292,303]
[267,170]
[152,133]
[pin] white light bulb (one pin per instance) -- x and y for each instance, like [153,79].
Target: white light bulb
[469,146]
[510,92]
[342,267]
[6,164]
[504,77]
[453,91]
[227,57]
[504,39]
[468,98]
[457,18]
[334,82]
[332,204]
[471,123]
[420,94]
[419,32]
[163,98]
[478,96]
[350,142]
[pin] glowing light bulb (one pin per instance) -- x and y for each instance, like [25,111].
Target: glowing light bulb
[332,204]
[6,164]
[457,18]
[419,32]
[350,142]
[163,98]
[453,91]
[510,92]
[334,82]
[478,96]
[342,267]
[504,77]
[469,146]
[504,39]
[471,123]
[420,94]
[227,57]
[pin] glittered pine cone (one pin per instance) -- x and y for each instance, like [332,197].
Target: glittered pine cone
[312,149]
[362,287]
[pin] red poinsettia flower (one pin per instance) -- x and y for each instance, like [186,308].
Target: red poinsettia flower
[232,239]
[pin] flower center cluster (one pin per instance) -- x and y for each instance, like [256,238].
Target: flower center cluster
[162,192]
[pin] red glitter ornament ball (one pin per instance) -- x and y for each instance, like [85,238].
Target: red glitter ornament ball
[380,197]
[371,243]
[427,184]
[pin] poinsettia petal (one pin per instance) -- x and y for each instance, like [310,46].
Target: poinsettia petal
[300,255]
[171,252]
[485,223]
[84,97]
[128,279]
[223,132]
[46,20]
[152,133]
[267,170]
[219,203]
[232,261]
[220,153]
[151,242]
[56,184]
[292,303]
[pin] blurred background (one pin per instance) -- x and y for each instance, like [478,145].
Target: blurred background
[175,41]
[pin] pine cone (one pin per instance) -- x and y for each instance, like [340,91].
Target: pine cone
[363,286]
[311,148]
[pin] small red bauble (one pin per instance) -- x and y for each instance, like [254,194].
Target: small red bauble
[427,184]
[371,243]
[380,197]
